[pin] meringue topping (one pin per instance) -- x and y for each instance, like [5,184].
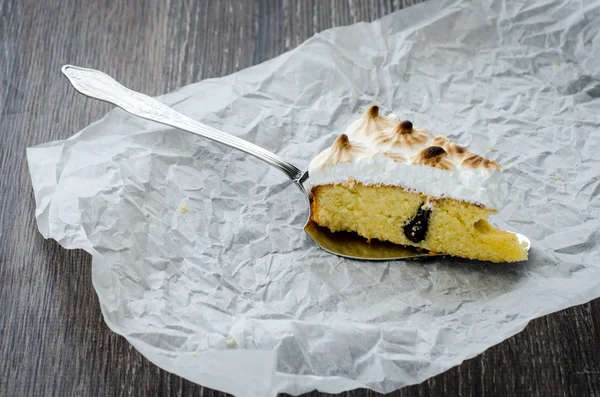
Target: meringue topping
[475,161]
[396,156]
[342,151]
[463,156]
[433,156]
[370,123]
[401,138]
[405,127]
[380,149]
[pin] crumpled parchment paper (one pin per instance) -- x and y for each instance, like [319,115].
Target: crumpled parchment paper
[199,257]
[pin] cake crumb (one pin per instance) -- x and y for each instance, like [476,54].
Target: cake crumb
[557,177]
[491,148]
[428,204]
[589,41]
[557,63]
[183,208]
[350,183]
[231,342]
[359,111]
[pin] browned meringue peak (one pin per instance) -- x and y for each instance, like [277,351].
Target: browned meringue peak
[397,157]
[472,160]
[342,151]
[463,155]
[403,136]
[433,156]
[450,147]
[371,123]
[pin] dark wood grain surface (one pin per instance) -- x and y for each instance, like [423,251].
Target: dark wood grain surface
[53,340]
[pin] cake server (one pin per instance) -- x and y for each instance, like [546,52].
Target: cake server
[98,85]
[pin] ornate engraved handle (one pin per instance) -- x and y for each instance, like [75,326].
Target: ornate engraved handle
[96,84]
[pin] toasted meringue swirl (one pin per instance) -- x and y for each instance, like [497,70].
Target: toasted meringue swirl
[342,151]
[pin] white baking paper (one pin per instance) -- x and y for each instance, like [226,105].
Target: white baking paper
[199,257]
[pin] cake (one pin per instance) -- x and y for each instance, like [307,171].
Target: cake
[387,180]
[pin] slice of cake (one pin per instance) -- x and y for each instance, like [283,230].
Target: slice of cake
[386,180]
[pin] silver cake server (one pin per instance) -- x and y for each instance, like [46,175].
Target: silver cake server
[98,85]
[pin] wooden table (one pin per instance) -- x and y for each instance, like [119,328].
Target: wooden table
[53,340]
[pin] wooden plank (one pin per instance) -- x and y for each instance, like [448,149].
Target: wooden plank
[53,340]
